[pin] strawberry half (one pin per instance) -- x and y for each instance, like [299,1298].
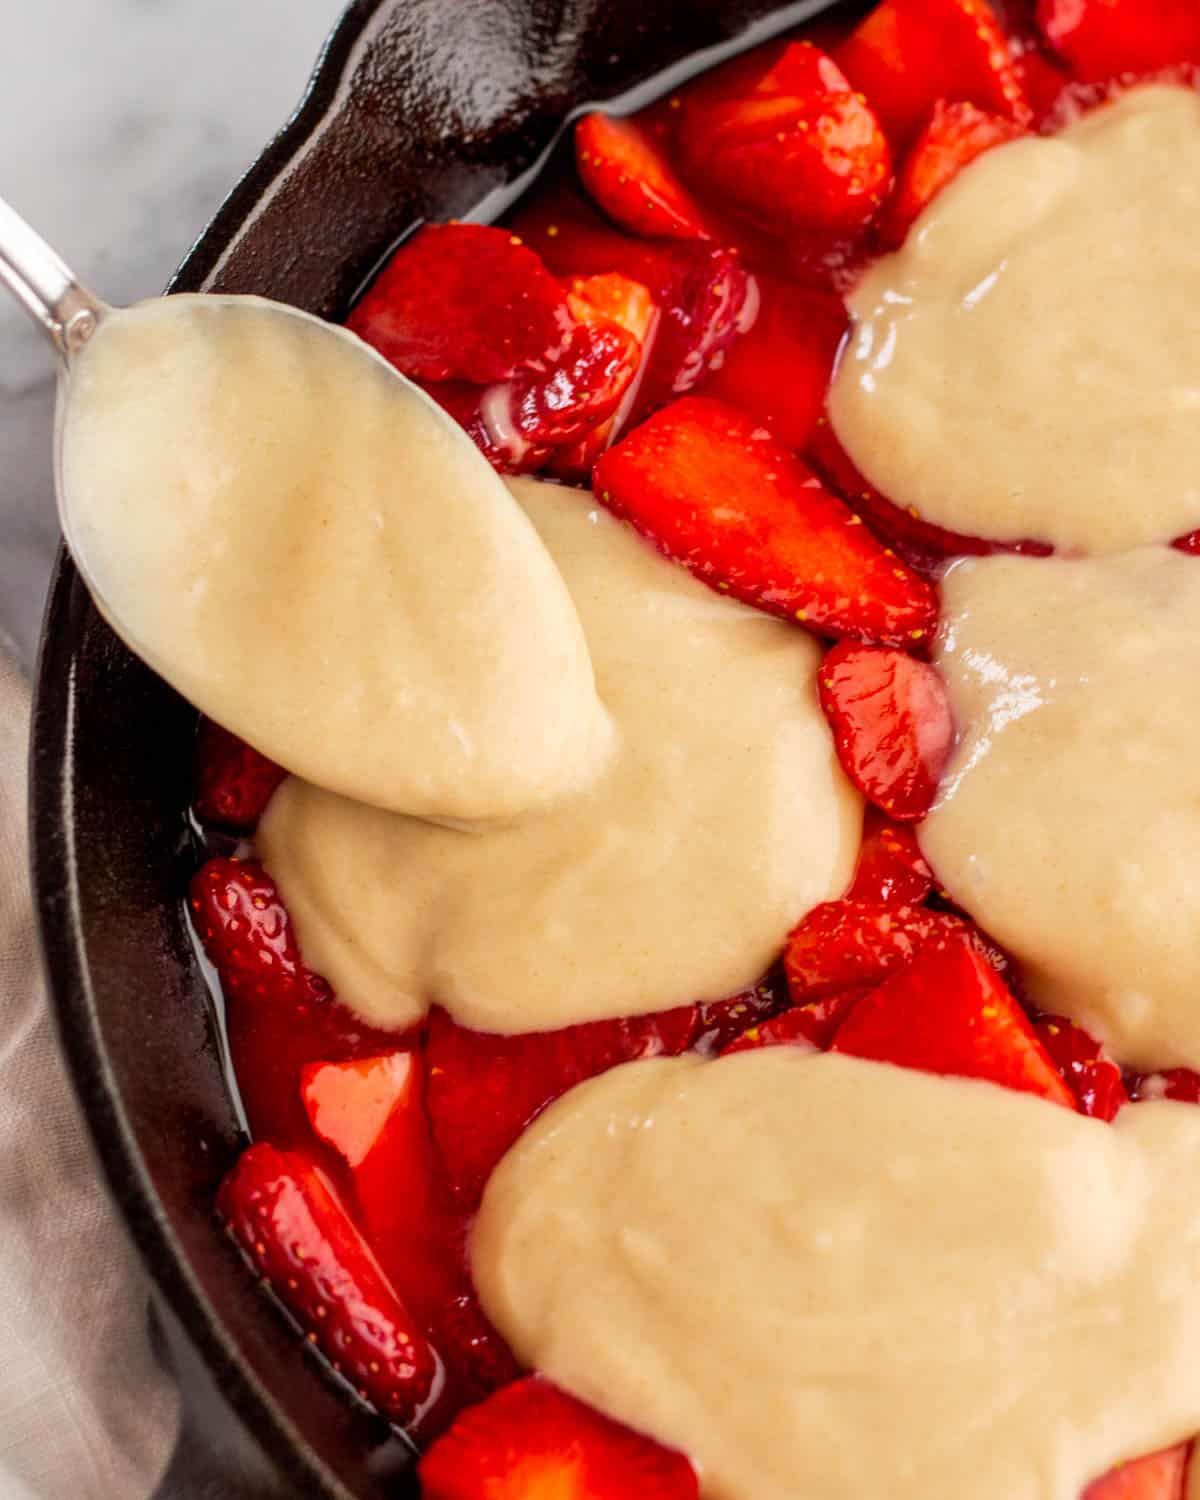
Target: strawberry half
[1094,1079]
[891,868]
[627,174]
[463,302]
[779,371]
[715,492]
[534,1442]
[854,945]
[794,148]
[280,1015]
[234,782]
[956,136]
[950,1013]
[892,725]
[1161,1476]
[372,1112]
[485,1089]
[281,1212]
[908,54]
[1102,39]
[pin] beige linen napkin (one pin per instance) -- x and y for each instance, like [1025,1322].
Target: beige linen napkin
[86,1413]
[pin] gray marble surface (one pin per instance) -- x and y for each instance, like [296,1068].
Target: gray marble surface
[123,124]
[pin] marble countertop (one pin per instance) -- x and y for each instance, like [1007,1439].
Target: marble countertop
[125,123]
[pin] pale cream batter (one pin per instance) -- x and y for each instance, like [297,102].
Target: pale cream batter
[825,1277]
[1027,365]
[308,548]
[1069,822]
[720,820]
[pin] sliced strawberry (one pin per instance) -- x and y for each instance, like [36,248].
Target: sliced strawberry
[279,1014]
[234,782]
[949,1012]
[956,136]
[718,494]
[1094,1079]
[280,1210]
[793,148]
[854,945]
[1189,543]
[1161,1476]
[464,302]
[720,1021]
[534,1442]
[1177,1083]
[813,1025]
[892,725]
[891,868]
[372,1111]
[485,1089]
[780,371]
[705,295]
[631,179]
[908,54]
[1102,39]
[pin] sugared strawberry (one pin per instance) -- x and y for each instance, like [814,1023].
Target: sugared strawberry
[705,297]
[956,136]
[715,492]
[1180,1084]
[532,1441]
[280,1210]
[234,782]
[1102,39]
[1094,1079]
[949,1012]
[792,148]
[908,54]
[779,372]
[279,1014]
[891,868]
[892,725]
[485,1089]
[853,945]
[372,1112]
[629,176]
[1161,1476]
[464,302]
[720,1021]
[812,1025]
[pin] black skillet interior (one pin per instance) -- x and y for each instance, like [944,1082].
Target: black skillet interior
[418,109]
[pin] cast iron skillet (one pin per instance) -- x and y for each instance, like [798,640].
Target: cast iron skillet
[418,109]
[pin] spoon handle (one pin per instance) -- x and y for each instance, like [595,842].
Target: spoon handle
[66,312]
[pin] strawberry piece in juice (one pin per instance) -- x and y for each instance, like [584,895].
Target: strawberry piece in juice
[234,782]
[891,868]
[1102,39]
[625,171]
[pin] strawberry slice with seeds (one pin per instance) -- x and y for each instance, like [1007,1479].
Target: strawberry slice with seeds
[631,179]
[284,1216]
[280,1015]
[534,1442]
[891,868]
[855,945]
[813,1025]
[485,1089]
[1103,39]
[779,372]
[950,1013]
[957,135]
[1161,1476]
[892,725]
[715,492]
[1094,1079]
[464,302]
[794,149]
[908,54]
[372,1112]
[234,782]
